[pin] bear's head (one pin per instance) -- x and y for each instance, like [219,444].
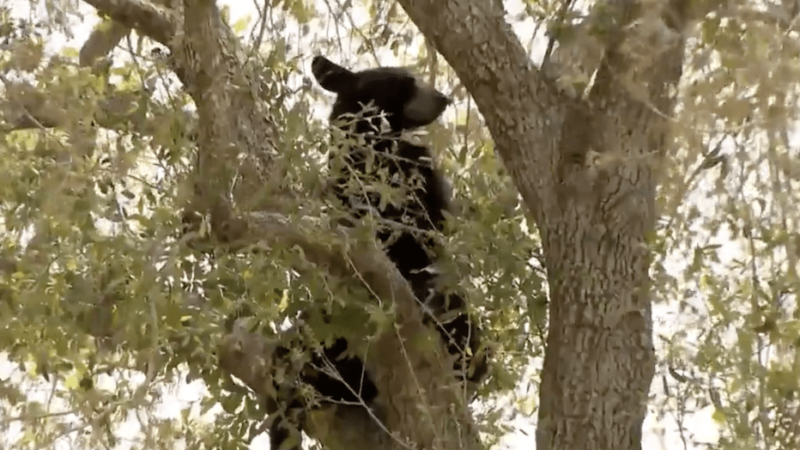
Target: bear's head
[406,101]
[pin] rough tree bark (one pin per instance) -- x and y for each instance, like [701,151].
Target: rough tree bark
[585,169]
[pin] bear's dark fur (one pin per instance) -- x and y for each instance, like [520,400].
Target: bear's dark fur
[373,147]
[291,406]
[405,104]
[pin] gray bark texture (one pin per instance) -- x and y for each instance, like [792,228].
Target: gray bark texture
[586,167]
[586,170]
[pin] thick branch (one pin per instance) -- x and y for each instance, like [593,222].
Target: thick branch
[209,80]
[249,124]
[154,21]
[103,39]
[409,380]
[107,34]
[522,108]
[29,107]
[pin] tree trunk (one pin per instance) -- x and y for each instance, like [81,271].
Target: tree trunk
[586,171]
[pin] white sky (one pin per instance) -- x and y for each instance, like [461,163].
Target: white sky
[658,435]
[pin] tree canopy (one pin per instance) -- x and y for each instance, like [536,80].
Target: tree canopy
[166,167]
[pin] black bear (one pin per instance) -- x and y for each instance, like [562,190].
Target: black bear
[295,363]
[289,406]
[373,108]
[399,102]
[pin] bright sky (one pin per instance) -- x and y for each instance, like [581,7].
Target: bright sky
[658,434]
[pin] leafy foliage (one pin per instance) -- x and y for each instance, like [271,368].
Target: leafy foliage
[106,309]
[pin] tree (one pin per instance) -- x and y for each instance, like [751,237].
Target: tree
[585,158]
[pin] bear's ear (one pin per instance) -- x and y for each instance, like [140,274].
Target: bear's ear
[331,76]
